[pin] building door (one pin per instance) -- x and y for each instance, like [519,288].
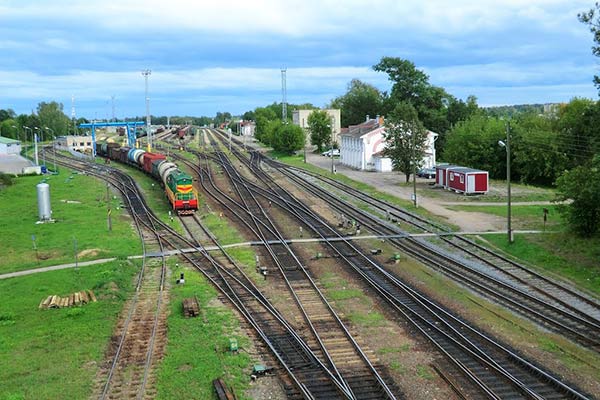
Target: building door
[470,183]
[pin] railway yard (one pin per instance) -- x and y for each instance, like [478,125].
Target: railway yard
[339,294]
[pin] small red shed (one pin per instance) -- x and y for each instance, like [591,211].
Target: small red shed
[441,177]
[467,180]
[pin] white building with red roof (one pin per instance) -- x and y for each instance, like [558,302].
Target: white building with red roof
[362,146]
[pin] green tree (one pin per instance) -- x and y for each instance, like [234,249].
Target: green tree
[248,116]
[592,19]
[51,116]
[263,116]
[582,186]
[474,143]
[405,139]
[7,114]
[9,129]
[361,99]
[579,133]
[288,138]
[538,156]
[409,83]
[319,126]
[437,109]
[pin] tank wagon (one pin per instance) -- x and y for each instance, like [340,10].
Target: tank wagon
[177,184]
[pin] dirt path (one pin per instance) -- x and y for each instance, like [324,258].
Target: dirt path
[389,182]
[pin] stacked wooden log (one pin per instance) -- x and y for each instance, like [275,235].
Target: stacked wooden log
[74,299]
[191,308]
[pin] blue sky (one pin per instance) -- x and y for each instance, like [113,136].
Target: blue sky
[227,55]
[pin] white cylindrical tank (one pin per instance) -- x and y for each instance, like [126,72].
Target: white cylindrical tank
[43,195]
[164,169]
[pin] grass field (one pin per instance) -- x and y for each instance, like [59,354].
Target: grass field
[79,206]
[528,217]
[197,351]
[298,161]
[54,354]
[557,253]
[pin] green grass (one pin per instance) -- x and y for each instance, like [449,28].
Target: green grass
[83,219]
[399,368]
[298,161]
[367,319]
[197,351]
[55,354]
[345,294]
[559,253]
[423,371]
[524,217]
[393,350]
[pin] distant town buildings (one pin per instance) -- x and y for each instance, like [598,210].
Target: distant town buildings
[247,128]
[300,118]
[76,143]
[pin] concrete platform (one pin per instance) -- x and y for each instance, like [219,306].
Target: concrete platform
[14,164]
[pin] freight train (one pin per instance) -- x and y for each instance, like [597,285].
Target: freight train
[177,184]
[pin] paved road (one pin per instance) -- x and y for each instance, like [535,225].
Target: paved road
[55,267]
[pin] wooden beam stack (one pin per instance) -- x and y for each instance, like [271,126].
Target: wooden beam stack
[74,299]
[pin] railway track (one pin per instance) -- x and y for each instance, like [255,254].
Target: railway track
[329,335]
[310,377]
[532,301]
[495,369]
[517,274]
[128,374]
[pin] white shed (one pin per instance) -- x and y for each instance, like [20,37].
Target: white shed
[9,146]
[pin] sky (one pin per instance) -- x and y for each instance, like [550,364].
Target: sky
[227,55]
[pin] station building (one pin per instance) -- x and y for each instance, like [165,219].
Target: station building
[362,147]
[76,143]
[300,118]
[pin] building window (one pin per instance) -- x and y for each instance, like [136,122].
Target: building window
[451,176]
[81,144]
[462,179]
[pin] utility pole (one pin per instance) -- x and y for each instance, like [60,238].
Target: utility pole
[147,73]
[414,165]
[73,114]
[332,127]
[283,96]
[510,234]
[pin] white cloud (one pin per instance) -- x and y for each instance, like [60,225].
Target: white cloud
[298,18]
[504,73]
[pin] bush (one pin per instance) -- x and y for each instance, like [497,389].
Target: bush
[5,179]
[582,186]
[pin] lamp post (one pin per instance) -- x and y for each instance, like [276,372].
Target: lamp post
[331,151]
[507,147]
[147,73]
[43,151]
[53,145]
[26,127]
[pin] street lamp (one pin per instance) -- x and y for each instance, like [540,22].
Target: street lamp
[53,145]
[26,127]
[331,151]
[507,147]
[43,151]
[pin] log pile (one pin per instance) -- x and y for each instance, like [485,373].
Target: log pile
[191,307]
[74,299]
